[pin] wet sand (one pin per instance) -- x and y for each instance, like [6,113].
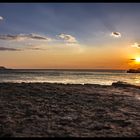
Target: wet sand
[68,110]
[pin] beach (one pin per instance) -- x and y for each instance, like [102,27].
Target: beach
[69,110]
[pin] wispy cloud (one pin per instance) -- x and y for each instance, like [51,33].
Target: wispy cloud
[137,45]
[1,18]
[35,47]
[8,49]
[39,37]
[116,34]
[67,38]
[36,42]
[132,59]
[21,37]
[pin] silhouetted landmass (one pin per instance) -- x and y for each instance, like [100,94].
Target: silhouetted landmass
[133,71]
[2,68]
[69,110]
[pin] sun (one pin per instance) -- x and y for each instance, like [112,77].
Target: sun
[137,60]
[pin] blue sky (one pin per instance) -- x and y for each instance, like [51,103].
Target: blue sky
[85,21]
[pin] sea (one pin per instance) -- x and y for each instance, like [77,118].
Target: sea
[102,77]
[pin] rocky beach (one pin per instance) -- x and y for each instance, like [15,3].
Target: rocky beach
[69,110]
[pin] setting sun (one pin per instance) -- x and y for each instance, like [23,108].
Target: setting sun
[137,60]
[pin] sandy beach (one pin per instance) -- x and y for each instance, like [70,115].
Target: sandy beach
[69,110]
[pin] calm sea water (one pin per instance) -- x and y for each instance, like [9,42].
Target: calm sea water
[103,77]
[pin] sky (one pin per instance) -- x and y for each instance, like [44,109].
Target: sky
[70,35]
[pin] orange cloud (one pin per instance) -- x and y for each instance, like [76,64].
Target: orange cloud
[137,45]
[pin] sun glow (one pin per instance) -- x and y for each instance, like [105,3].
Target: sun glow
[137,60]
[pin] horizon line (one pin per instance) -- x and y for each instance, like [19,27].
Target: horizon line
[66,69]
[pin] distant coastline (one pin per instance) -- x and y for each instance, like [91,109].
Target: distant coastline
[133,71]
[64,69]
[4,68]
[94,70]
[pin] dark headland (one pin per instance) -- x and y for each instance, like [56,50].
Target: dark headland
[69,110]
[2,68]
[133,70]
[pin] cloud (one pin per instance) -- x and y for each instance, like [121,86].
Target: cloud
[137,45]
[38,37]
[34,47]
[67,38]
[8,49]
[132,59]
[116,34]
[1,18]
[21,37]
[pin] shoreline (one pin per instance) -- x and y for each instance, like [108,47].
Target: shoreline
[69,110]
[116,84]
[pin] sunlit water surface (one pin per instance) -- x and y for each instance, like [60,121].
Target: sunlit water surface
[69,76]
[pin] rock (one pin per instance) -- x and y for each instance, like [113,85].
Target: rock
[123,84]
